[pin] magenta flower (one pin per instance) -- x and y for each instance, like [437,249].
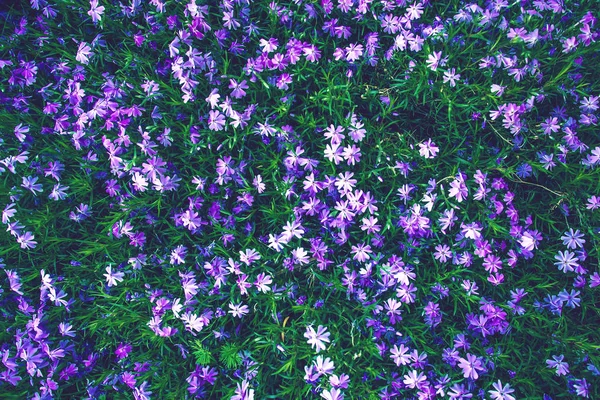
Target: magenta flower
[123,350]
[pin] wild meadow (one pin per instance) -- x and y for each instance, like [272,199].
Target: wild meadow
[304,199]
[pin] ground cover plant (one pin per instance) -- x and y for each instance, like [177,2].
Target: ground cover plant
[360,199]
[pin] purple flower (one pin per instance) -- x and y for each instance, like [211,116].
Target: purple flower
[501,392]
[353,52]
[458,188]
[562,368]
[113,277]
[324,366]
[123,350]
[216,121]
[95,11]
[572,239]
[400,355]
[317,339]
[238,310]
[470,366]
[566,261]
[83,53]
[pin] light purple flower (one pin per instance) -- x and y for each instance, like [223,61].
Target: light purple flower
[470,366]
[83,53]
[317,339]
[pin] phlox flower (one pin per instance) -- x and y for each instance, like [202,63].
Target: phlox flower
[333,394]
[123,350]
[451,76]
[95,11]
[470,366]
[262,282]
[83,53]
[339,381]
[8,212]
[361,252]
[65,329]
[428,149]
[582,388]
[300,256]
[572,239]
[140,393]
[113,277]
[414,11]
[140,183]
[20,132]
[333,152]
[442,253]
[501,392]
[324,366]
[291,230]
[318,338]
[249,256]
[238,310]
[400,355]
[29,183]
[216,120]
[529,240]
[415,379]
[458,188]
[312,53]
[566,261]
[26,240]
[276,242]
[562,368]
[243,391]
[593,203]
[354,52]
